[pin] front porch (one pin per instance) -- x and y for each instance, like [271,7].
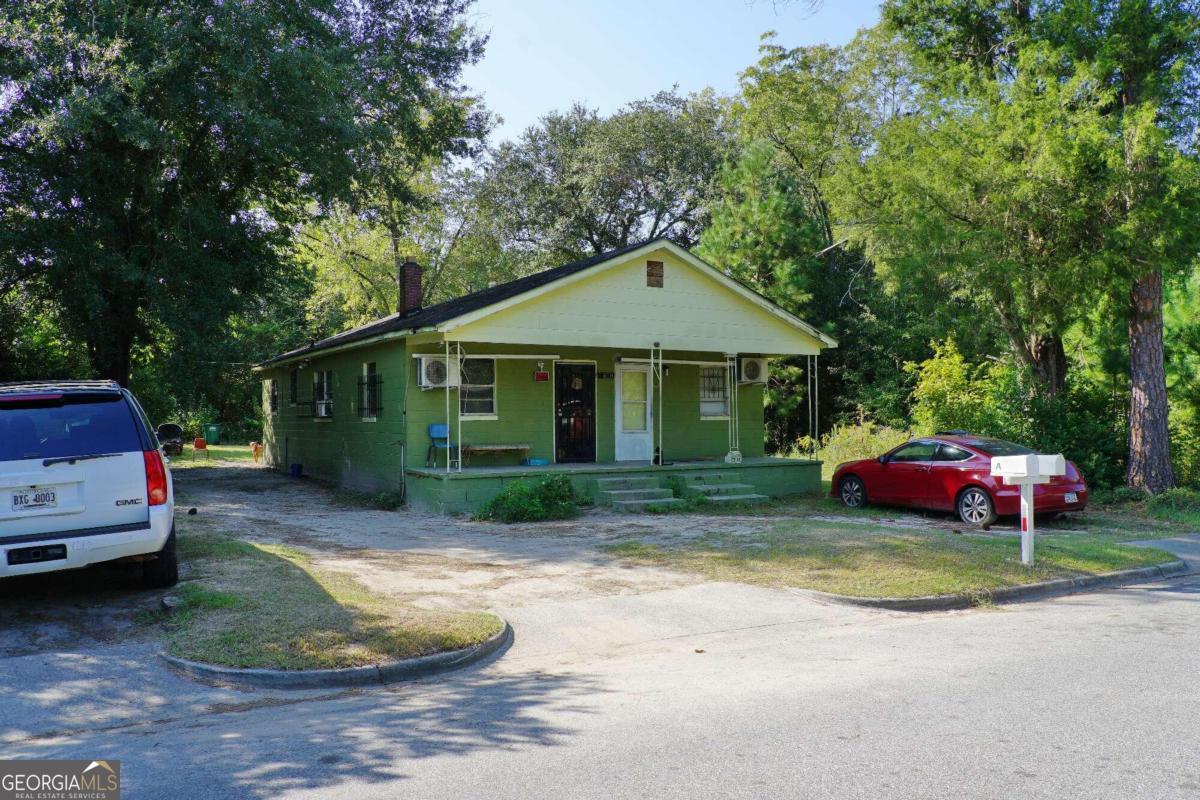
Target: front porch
[627,485]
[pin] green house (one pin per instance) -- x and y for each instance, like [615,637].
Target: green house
[639,373]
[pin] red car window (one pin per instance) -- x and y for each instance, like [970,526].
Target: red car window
[917,451]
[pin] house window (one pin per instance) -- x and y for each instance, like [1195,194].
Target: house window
[293,386]
[654,274]
[714,392]
[478,391]
[323,393]
[369,391]
[273,395]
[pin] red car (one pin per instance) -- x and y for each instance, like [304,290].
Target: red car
[952,473]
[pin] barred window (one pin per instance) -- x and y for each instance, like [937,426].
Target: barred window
[478,390]
[369,393]
[714,392]
[323,393]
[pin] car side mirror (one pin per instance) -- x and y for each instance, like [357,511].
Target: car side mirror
[884,459]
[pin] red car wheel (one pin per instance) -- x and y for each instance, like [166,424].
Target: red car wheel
[853,492]
[975,507]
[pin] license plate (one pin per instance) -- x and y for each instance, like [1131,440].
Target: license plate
[1070,497]
[30,499]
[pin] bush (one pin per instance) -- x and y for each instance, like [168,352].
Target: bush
[1000,399]
[1174,502]
[852,442]
[1185,448]
[552,497]
[1117,496]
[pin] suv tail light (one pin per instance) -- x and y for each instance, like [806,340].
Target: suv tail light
[156,478]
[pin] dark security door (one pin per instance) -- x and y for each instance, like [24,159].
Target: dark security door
[575,412]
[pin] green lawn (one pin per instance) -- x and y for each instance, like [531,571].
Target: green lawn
[865,560]
[217,453]
[260,605]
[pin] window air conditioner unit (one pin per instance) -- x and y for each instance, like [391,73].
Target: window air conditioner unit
[437,373]
[753,370]
[324,409]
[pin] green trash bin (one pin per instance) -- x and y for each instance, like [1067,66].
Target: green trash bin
[211,432]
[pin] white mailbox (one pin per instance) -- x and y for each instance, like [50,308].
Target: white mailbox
[1026,471]
[1015,470]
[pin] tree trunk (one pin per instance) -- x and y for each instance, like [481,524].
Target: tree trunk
[1050,362]
[109,353]
[1149,440]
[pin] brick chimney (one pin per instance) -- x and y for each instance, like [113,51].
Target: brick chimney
[408,282]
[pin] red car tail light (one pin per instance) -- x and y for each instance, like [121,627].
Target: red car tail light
[156,478]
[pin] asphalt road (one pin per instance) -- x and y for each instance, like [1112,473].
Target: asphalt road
[713,690]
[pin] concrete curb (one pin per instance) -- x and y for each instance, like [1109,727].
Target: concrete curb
[1014,594]
[373,675]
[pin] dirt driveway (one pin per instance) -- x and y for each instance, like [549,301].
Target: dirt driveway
[445,562]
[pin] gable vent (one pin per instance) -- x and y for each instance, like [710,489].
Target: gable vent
[654,274]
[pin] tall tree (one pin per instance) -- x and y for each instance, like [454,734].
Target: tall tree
[156,156]
[803,114]
[579,183]
[1137,63]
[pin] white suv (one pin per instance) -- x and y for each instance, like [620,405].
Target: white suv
[82,480]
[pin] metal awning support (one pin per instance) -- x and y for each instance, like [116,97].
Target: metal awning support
[734,456]
[812,378]
[456,444]
[656,375]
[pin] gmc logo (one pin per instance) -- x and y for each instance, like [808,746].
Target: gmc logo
[133,501]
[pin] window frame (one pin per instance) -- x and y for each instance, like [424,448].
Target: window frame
[369,403]
[293,386]
[726,390]
[273,395]
[462,384]
[323,378]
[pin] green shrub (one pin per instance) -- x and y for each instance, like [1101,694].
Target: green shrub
[852,442]
[552,497]
[1185,447]
[1174,502]
[1117,495]
[1000,399]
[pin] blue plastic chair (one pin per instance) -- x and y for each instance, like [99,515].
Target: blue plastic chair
[439,439]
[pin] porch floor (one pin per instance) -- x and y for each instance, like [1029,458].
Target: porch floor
[519,470]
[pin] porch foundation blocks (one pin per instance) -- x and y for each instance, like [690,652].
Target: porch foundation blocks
[626,486]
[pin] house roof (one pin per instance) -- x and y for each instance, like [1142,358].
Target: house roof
[475,301]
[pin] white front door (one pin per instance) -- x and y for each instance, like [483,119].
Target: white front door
[635,413]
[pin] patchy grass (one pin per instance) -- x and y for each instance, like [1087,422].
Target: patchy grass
[388,500]
[260,605]
[218,453]
[868,561]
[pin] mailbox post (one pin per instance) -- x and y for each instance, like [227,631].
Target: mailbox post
[1026,472]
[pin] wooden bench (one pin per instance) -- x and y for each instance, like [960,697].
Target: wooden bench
[471,449]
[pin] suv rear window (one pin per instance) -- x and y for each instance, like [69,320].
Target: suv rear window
[70,425]
[999,447]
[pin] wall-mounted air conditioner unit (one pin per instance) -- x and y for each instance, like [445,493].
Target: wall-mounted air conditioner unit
[753,370]
[436,372]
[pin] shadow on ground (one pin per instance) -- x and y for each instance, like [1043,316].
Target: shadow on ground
[360,737]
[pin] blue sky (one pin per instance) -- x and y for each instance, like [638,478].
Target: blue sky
[546,55]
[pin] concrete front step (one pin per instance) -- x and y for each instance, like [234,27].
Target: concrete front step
[738,499]
[642,505]
[627,482]
[714,489]
[608,497]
